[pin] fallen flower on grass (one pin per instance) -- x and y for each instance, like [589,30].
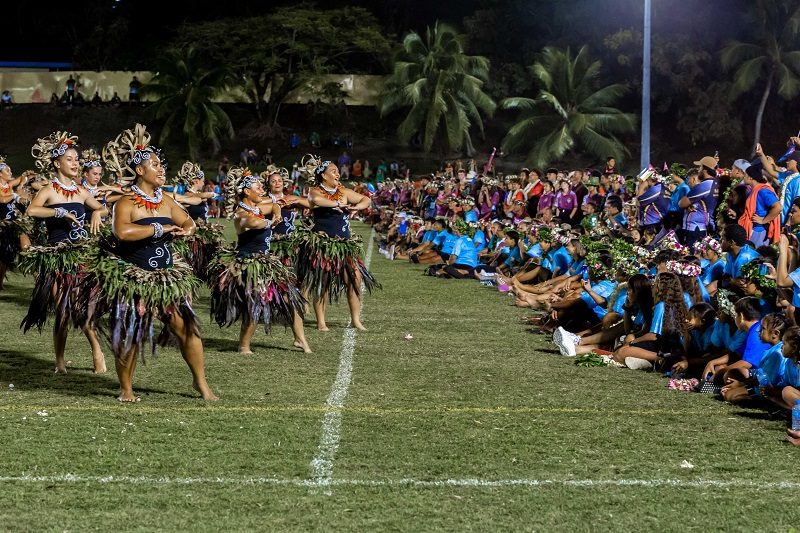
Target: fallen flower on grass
[686,464]
[408,336]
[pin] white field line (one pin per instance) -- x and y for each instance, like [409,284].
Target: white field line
[407,482]
[322,464]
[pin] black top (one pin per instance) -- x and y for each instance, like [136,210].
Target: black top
[286,225]
[8,211]
[60,229]
[149,253]
[199,211]
[254,241]
[332,221]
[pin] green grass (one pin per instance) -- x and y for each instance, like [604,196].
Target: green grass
[473,395]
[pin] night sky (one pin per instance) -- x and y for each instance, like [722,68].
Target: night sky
[49,31]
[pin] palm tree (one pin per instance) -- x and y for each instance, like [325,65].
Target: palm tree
[569,112]
[185,90]
[773,55]
[442,88]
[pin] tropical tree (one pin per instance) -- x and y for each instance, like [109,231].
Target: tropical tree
[291,47]
[569,112]
[772,56]
[441,87]
[185,90]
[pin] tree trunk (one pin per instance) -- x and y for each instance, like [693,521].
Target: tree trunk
[761,107]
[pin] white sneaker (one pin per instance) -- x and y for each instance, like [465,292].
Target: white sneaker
[558,336]
[636,363]
[569,349]
[576,340]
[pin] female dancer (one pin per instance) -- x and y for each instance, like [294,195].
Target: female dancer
[62,203]
[208,239]
[12,237]
[249,283]
[136,279]
[283,244]
[330,261]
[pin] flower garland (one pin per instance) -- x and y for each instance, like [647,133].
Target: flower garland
[67,190]
[752,271]
[141,199]
[597,269]
[251,211]
[684,268]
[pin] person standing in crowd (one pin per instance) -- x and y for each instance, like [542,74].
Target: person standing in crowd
[699,203]
[133,89]
[761,218]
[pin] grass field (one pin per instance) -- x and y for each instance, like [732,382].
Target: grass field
[474,424]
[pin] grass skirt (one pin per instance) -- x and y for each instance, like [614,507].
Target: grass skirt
[57,286]
[258,286]
[328,265]
[284,248]
[9,243]
[201,248]
[124,300]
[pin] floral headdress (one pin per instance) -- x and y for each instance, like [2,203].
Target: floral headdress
[314,166]
[52,147]
[724,303]
[678,170]
[624,258]
[684,268]
[562,238]
[462,227]
[670,242]
[755,271]
[130,149]
[272,169]
[597,268]
[238,179]
[3,164]
[708,243]
[188,173]
[90,159]
[544,234]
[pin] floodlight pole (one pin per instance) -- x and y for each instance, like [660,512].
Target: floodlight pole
[645,153]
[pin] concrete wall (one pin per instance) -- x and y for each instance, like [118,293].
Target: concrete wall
[37,86]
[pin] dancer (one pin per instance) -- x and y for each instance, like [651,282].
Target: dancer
[250,284]
[92,178]
[134,277]
[208,239]
[330,261]
[284,245]
[57,265]
[13,238]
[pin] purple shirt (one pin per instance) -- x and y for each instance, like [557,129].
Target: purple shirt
[547,200]
[566,202]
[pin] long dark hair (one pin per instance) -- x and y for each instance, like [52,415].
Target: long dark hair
[640,286]
[667,288]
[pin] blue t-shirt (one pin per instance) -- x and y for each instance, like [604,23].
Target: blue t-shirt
[733,266]
[603,288]
[679,192]
[771,363]
[723,337]
[471,216]
[534,251]
[576,267]
[702,341]
[557,261]
[658,318]
[429,235]
[754,347]
[616,306]
[765,199]
[791,192]
[713,272]
[513,257]
[790,374]
[479,239]
[445,241]
[465,252]
[402,229]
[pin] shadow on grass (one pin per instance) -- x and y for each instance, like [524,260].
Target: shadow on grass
[16,295]
[28,372]
[232,346]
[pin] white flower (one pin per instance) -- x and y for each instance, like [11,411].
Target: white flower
[686,464]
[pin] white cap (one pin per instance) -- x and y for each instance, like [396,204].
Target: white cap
[742,164]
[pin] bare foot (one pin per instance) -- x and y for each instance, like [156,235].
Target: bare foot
[61,369]
[205,392]
[359,326]
[245,351]
[302,346]
[99,364]
[322,327]
[128,397]
[793,440]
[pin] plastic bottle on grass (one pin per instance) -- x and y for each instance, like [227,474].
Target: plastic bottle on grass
[796,416]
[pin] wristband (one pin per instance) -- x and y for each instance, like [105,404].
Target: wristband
[60,212]
[158,230]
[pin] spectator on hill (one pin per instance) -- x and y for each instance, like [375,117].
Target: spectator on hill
[133,90]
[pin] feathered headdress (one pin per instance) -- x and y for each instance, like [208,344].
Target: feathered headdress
[238,179]
[130,149]
[3,164]
[313,166]
[188,173]
[281,171]
[52,147]
[90,159]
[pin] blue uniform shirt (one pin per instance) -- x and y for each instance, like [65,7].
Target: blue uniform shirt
[733,266]
[713,272]
[603,288]
[471,216]
[679,192]
[479,239]
[754,347]
[465,252]
[557,261]
[723,337]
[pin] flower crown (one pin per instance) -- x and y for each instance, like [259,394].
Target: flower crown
[544,234]
[52,147]
[90,159]
[238,179]
[130,149]
[188,173]
[281,171]
[670,242]
[724,303]
[754,272]
[684,268]
[597,268]
[314,166]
